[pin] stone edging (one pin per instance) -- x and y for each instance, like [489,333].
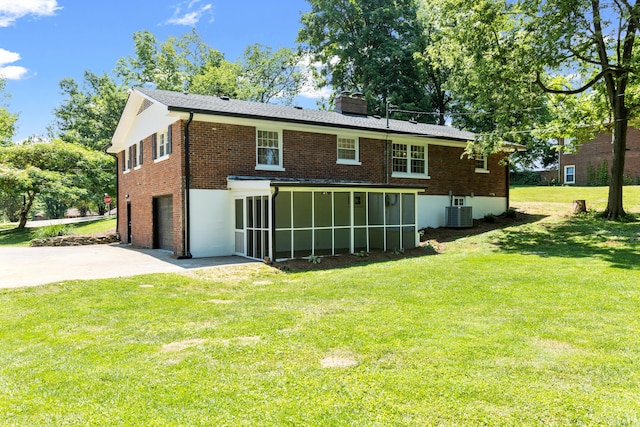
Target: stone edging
[73,240]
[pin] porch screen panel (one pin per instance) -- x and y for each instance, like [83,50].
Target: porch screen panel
[408,209]
[393,238]
[392,203]
[302,213]
[322,209]
[342,240]
[323,242]
[376,238]
[283,244]
[342,209]
[283,209]
[409,237]
[376,209]
[302,243]
[360,239]
[359,209]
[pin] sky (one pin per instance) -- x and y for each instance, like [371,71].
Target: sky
[45,41]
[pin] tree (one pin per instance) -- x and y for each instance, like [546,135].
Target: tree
[512,55]
[90,113]
[7,120]
[369,46]
[56,169]
[267,75]
[595,39]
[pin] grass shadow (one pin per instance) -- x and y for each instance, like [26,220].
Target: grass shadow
[580,236]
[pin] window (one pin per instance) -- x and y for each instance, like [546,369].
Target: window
[161,145]
[268,150]
[348,151]
[409,160]
[570,174]
[126,160]
[139,153]
[481,162]
[133,156]
[458,201]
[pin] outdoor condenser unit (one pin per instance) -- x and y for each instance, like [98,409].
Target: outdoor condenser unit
[459,216]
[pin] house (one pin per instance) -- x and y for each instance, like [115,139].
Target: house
[591,163]
[211,176]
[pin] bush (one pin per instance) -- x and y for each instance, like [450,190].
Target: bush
[525,178]
[490,218]
[53,231]
[511,213]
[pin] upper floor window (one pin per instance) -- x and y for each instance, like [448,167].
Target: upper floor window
[481,162]
[348,152]
[570,174]
[409,160]
[161,143]
[268,150]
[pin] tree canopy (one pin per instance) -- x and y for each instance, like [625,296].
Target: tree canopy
[68,172]
[7,119]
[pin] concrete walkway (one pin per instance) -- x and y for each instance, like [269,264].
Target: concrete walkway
[37,266]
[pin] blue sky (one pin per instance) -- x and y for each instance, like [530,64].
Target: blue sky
[44,41]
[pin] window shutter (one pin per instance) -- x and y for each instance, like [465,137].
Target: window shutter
[154,146]
[169,138]
[124,160]
[140,154]
[130,160]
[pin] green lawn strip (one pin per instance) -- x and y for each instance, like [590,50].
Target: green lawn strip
[23,237]
[490,332]
[596,197]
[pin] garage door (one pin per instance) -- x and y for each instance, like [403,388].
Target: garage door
[163,222]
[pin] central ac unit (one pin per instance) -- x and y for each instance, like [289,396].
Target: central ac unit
[459,216]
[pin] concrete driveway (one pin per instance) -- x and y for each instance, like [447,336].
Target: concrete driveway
[37,266]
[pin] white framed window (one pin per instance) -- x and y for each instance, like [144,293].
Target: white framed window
[348,151]
[126,160]
[570,174]
[458,201]
[481,163]
[268,150]
[161,145]
[409,160]
[139,154]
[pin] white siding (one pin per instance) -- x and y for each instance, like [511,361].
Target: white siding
[431,209]
[212,224]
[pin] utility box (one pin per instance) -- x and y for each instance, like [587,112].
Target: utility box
[459,216]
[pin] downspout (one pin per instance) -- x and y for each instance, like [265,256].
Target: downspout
[508,182]
[187,184]
[273,224]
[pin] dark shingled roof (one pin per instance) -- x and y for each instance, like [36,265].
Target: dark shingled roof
[177,101]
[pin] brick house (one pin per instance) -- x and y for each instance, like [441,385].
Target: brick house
[591,163]
[211,176]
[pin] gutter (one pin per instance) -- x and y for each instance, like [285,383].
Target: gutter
[187,199]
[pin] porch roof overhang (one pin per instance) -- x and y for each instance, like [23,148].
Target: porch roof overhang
[243,182]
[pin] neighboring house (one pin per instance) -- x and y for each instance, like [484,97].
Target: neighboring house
[591,163]
[209,176]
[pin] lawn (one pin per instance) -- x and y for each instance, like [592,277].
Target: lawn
[596,197]
[535,324]
[11,236]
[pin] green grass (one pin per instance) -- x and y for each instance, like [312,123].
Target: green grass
[11,236]
[596,197]
[535,324]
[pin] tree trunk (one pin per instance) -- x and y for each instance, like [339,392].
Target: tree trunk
[24,212]
[614,208]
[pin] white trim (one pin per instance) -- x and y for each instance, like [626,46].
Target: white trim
[356,150]
[280,147]
[564,180]
[411,143]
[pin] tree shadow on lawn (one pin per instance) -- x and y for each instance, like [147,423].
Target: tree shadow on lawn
[579,236]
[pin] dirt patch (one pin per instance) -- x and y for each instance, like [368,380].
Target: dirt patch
[433,242]
[181,345]
[338,359]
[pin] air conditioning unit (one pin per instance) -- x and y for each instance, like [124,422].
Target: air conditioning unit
[459,216]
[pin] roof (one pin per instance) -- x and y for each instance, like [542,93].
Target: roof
[204,104]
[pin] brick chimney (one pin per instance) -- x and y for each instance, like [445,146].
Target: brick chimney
[351,104]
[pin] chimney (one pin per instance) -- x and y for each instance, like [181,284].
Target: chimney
[351,104]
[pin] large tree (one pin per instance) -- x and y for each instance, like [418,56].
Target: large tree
[90,112]
[509,56]
[57,169]
[369,46]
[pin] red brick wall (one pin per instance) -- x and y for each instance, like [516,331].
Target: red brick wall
[591,155]
[150,180]
[220,150]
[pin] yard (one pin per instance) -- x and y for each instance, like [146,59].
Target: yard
[533,324]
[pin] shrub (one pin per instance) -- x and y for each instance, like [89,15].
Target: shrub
[511,213]
[490,218]
[53,231]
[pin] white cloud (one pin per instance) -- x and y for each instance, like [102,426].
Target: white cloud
[11,72]
[309,88]
[12,10]
[189,13]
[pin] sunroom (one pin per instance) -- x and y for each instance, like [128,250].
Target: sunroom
[292,219]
